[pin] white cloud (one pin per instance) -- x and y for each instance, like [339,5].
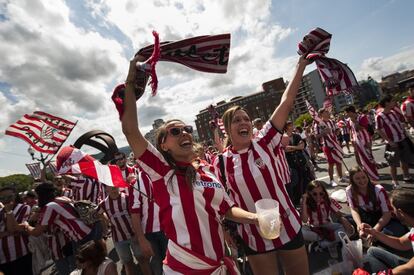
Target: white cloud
[377,67]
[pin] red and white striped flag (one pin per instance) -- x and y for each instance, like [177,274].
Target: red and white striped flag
[53,169]
[44,132]
[34,169]
[336,75]
[313,112]
[71,160]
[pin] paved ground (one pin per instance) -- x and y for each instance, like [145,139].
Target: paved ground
[318,260]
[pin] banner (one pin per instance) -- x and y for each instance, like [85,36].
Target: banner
[34,169]
[44,132]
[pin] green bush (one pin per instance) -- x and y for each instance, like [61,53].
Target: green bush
[304,117]
[20,181]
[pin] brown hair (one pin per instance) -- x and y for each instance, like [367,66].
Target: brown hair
[403,199]
[227,119]
[354,188]
[93,252]
[311,203]
[190,171]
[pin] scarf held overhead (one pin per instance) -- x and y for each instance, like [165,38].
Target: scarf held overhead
[336,75]
[207,53]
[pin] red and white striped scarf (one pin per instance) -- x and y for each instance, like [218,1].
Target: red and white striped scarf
[71,160]
[336,75]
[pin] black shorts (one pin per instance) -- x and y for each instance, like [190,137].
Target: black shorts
[295,243]
[404,152]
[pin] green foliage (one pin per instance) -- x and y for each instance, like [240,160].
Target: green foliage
[371,105]
[20,181]
[304,117]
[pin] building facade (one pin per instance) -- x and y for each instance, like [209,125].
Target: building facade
[258,105]
[152,134]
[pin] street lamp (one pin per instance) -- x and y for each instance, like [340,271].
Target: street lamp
[42,159]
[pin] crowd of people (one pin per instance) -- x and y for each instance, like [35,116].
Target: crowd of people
[190,206]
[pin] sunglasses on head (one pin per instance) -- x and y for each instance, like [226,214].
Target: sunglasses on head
[176,131]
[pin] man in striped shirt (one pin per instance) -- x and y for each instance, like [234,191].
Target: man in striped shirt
[15,257]
[408,106]
[121,161]
[146,221]
[362,141]
[399,148]
[116,207]
[325,131]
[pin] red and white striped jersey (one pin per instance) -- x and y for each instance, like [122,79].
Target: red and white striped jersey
[330,139]
[118,214]
[142,203]
[56,241]
[362,136]
[383,203]
[252,175]
[391,123]
[189,217]
[14,246]
[282,166]
[125,173]
[322,214]
[67,192]
[407,107]
[85,188]
[63,215]
[343,127]
[411,237]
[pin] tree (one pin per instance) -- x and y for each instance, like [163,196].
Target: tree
[304,117]
[20,181]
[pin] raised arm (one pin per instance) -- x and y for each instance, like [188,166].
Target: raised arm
[135,139]
[282,111]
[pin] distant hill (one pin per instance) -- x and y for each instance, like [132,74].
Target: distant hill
[124,149]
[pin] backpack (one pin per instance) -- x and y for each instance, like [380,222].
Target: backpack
[87,211]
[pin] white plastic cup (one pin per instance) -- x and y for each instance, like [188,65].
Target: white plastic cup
[269,218]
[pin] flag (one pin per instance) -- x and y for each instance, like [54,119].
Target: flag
[336,75]
[44,132]
[313,112]
[71,160]
[34,169]
[217,120]
[53,169]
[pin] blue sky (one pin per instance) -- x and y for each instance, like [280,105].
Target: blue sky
[65,57]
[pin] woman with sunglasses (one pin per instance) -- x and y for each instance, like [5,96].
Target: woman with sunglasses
[369,204]
[252,174]
[191,199]
[317,211]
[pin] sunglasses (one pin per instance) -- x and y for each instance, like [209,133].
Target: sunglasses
[118,159]
[314,194]
[176,131]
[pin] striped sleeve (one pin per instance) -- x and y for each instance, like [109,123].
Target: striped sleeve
[349,197]
[379,122]
[383,199]
[49,215]
[226,204]
[23,214]
[153,163]
[135,197]
[270,135]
